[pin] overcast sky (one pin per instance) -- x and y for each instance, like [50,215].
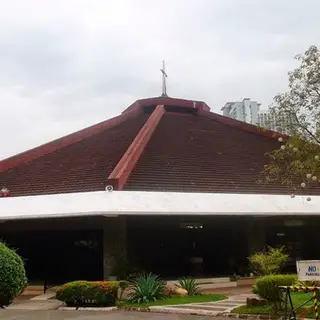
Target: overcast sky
[69,64]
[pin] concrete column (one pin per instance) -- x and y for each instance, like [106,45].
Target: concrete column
[114,244]
[256,235]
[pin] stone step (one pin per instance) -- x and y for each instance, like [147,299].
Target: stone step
[185,311]
[213,280]
[224,304]
[205,281]
[218,285]
[234,301]
[196,307]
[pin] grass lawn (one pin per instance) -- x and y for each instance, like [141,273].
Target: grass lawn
[174,301]
[297,297]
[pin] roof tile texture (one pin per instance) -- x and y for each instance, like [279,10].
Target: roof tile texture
[189,153]
[83,166]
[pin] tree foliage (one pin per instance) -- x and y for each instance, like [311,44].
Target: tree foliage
[268,262]
[296,163]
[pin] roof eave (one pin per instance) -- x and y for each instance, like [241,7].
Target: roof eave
[103,203]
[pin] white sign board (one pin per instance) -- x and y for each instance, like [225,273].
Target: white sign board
[308,270]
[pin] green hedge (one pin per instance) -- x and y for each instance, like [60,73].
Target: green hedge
[13,278]
[88,294]
[267,287]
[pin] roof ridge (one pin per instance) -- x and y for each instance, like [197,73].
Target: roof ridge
[244,126]
[125,165]
[62,142]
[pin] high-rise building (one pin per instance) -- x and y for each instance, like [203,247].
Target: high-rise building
[245,110]
[279,123]
[249,111]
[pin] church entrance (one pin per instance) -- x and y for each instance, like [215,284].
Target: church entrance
[173,247]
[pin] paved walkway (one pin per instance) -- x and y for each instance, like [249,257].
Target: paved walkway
[206,308]
[35,305]
[90,315]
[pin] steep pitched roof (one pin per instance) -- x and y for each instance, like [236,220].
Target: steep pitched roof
[159,144]
[81,165]
[200,154]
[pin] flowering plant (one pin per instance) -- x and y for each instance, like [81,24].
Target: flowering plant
[88,293]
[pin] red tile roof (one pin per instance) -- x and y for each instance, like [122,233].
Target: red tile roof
[70,139]
[182,147]
[123,169]
[82,166]
[199,154]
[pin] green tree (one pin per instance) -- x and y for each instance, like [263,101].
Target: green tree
[296,163]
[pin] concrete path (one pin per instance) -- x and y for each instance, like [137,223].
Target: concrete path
[35,305]
[45,296]
[90,315]
[205,308]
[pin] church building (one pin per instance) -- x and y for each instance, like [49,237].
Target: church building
[167,186]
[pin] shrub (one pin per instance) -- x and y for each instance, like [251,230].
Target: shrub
[267,287]
[268,262]
[146,288]
[190,285]
[13,278]
[88,293]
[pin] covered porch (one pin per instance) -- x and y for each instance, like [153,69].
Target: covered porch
[92,235]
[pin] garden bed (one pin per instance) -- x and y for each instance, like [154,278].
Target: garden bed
[297,297]
[175,300]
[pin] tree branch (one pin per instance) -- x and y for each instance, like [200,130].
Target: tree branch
[306,129]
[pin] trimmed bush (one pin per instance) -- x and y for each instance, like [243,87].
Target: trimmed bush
[13,278]
[146,288]
[88,293]
[267,287]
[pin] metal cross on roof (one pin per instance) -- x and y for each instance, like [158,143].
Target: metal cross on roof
[164,80]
